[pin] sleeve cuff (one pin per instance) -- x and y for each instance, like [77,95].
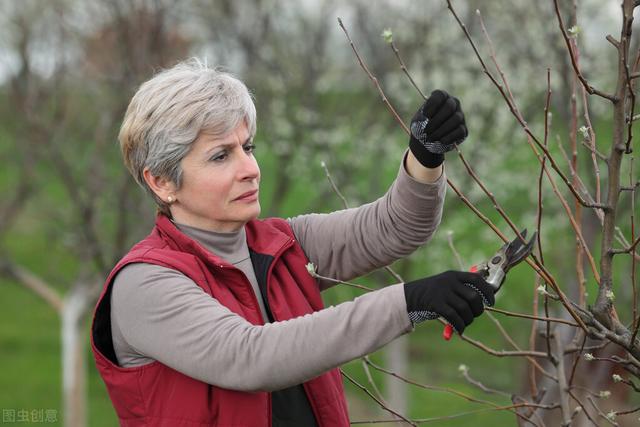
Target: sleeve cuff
[395,295]
[410,189]
[403,175]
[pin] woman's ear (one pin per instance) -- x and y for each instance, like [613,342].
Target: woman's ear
[163,188]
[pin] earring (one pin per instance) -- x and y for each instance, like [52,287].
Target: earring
[170,199]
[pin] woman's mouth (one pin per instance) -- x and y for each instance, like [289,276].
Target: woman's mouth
[249,196]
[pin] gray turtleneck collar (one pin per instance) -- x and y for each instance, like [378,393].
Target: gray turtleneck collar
[232,247]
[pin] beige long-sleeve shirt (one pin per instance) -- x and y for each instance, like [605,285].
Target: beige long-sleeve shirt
[160,314]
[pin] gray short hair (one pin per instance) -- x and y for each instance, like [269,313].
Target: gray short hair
[170,111]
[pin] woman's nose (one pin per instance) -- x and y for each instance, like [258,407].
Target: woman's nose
[249,168]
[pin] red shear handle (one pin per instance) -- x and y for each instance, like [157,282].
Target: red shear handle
[448,329]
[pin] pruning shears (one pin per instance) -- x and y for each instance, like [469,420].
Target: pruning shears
[494,271]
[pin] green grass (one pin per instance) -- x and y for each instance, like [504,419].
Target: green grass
[29,352]
[31,356]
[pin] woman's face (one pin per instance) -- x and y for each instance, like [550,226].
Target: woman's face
[220,180]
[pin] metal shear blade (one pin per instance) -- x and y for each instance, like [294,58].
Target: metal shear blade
[509,255]
[517,250]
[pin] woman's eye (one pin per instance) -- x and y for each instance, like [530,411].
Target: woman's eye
[250,148]
[219,157]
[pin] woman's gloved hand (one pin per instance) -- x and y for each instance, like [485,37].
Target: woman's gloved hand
[457,296]
[437,127]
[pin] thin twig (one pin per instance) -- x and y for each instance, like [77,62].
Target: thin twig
[594,151]
[502,353]
[454,416]
[636,323]
[382,405]
[562,380]
[630,384]
[465,374]
[630,248]
[518,116]
[367,372]
[453,249]
[515,228]
[582,405]
[576,69]
[530,316]
[373,79]
[629,411]
[404,69]
[334,186]
[599,411]
[341,282]
[433,388]
[345,203]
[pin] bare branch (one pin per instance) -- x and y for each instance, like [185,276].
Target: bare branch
[388,269]
[636,324]
[574,63]
[603,307]
[465,373]
[594,151]
[334,186]
[563,388]
[629,383]
[532,317]
[520,120]
[373,79]
[599,411]
[627,249]
[367,372]
[340,282]
[405,70]
[430,387]
[382,405]
[502,353]
[539,267]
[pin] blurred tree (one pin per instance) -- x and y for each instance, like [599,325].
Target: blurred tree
[73,66]
[79,196]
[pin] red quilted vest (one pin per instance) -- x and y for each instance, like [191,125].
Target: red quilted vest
[156,395]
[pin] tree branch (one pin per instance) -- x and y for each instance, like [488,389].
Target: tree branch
[574,63]
[382,405]
[520,119]
[32,282]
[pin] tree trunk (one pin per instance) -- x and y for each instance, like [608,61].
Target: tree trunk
[74,370]
[397,356]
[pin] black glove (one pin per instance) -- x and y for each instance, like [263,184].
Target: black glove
[437,127]
[458,296]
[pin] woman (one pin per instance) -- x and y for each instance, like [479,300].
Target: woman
[214,319]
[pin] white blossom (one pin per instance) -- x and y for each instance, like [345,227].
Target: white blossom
[585,131]
[311,269]
[387,35]
[610,295]
[605,394]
